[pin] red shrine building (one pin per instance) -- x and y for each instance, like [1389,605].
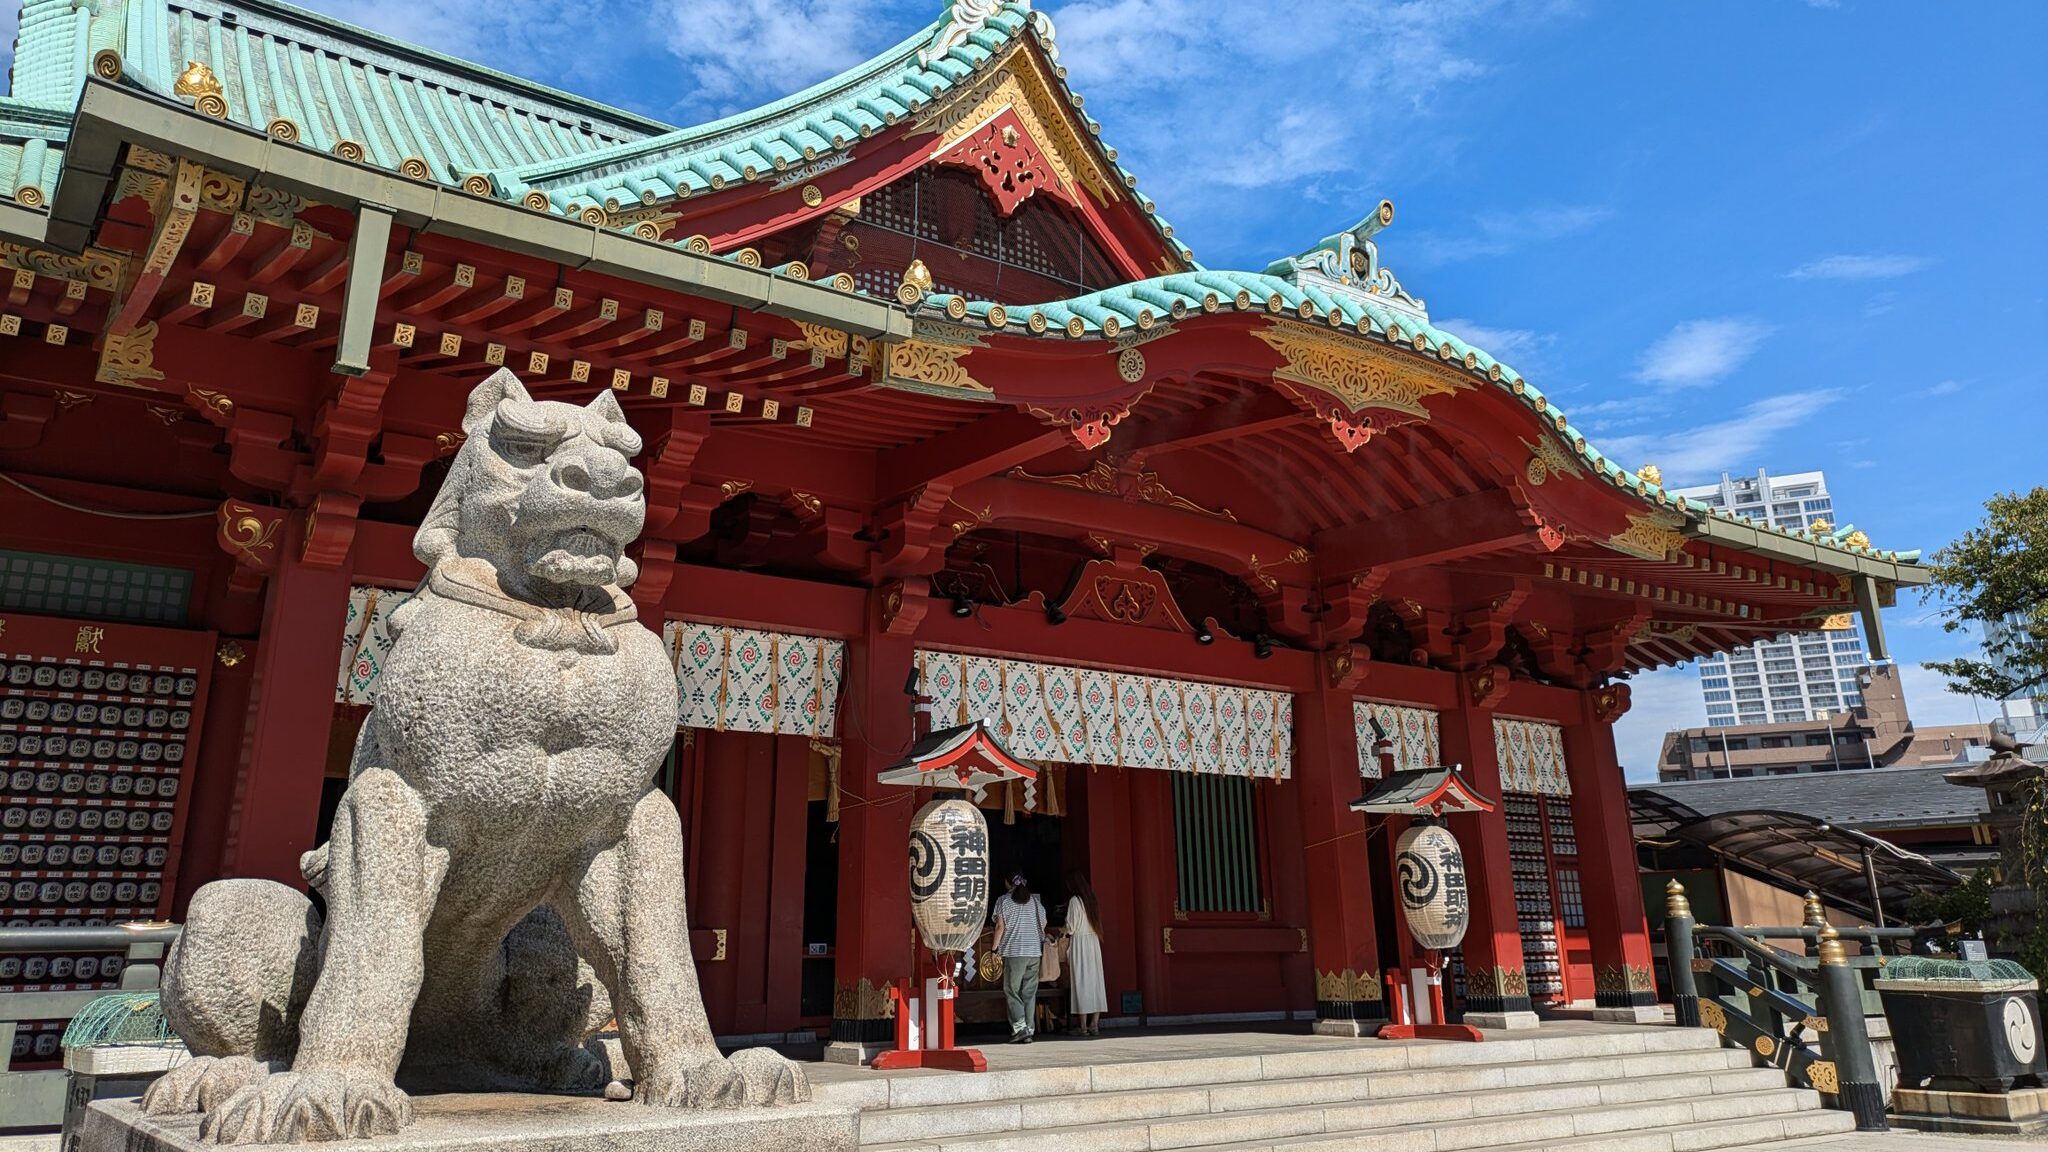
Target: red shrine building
[936,408]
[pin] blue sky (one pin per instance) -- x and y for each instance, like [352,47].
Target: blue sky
[1725,235]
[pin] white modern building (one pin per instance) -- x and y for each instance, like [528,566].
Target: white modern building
[1794,677]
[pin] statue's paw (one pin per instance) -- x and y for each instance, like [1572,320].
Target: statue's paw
[712,1083]
[297,1107]
[201,1083]
[770,1077]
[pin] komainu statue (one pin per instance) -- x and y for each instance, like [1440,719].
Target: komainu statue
[502,877]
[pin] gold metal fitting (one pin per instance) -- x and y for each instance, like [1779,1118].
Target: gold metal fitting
[1831,950]
[1816,916]
[1651,474]
[1675,901]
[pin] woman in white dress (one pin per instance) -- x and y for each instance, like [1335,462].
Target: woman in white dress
[1087,996]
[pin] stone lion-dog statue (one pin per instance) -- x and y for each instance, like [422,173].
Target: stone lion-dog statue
[502,878]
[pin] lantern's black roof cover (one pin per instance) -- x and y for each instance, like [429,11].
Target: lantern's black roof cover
[1421,790]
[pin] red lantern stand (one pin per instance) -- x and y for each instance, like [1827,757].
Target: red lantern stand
[967,757]
[1427,793]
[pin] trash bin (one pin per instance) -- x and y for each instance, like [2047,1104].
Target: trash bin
[1964,1025]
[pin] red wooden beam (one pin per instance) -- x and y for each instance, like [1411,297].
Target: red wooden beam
[1433,534]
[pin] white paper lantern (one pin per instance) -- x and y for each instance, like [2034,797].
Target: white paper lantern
[948,874]
[1431,871]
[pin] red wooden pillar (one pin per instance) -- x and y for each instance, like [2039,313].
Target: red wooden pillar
[284,747]
[211,779]
[875,942]
[1155,876]
[1624,982]
[1342,937]
[1496,983]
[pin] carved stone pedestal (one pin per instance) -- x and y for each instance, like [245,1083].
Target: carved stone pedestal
[504,1122]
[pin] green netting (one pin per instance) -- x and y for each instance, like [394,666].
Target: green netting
[122,1018]
[1939,968]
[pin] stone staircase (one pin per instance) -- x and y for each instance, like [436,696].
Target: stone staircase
[1639,1090]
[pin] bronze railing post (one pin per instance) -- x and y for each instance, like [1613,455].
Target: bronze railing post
[1841,1001]
[1685,997]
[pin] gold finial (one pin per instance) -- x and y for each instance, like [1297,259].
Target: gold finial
[1858,539]
[1831,950]
[917,283]
[1675,902]
[199,82]
[1651,474]
[1816,916]
[1822,526]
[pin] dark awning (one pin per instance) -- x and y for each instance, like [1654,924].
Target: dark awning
[1807,854]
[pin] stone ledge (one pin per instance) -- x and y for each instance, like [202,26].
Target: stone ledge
[506,1122]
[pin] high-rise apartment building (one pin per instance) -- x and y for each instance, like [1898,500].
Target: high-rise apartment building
[1787,678]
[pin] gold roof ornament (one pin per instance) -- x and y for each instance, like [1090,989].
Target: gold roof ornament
[1858,539]
[1651,474]
[1822,526]
[917,283]
[199,82]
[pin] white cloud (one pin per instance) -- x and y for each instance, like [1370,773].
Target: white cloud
[1700,452]
[1945,388]
[1868,267]
[1700,351]
[1929,701]
[1499,232]
[1660,701]
[735,48]
[1503,343]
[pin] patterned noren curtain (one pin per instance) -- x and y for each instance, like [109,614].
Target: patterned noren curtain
[1531,756]
[1087,716]
[365,643]
[748,680]
[1413,731]
[733,679]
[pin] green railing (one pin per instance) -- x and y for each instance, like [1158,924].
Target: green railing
[1803,1014]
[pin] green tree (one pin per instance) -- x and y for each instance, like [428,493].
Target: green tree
[1996,574]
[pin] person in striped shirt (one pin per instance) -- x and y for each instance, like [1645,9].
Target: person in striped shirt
[1020,941]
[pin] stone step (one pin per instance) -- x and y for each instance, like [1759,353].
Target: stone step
[1739,1132]
[1446,1120]
[879,1093]
[1613,1079]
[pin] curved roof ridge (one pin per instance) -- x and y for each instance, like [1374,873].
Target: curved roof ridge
[1368,308]
[865,72]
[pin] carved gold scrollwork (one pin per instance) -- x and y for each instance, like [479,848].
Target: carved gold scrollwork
[1651,537]
[1823,1076]
[927,362]
[128,357]
[1357,374]
[248,533]
[862,1001]
[1714,1016]
[1348,985]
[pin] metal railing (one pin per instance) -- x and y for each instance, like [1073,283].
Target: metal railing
[1803,1014]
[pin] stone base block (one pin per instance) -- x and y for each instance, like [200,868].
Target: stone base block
[854,1052]
[1640,1014]
[1508,1021]
[505,1122]
[1347,1028]
[2021,1111]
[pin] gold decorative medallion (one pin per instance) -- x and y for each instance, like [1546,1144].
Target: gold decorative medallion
[1547,458]
[198,82]
[1130,365]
